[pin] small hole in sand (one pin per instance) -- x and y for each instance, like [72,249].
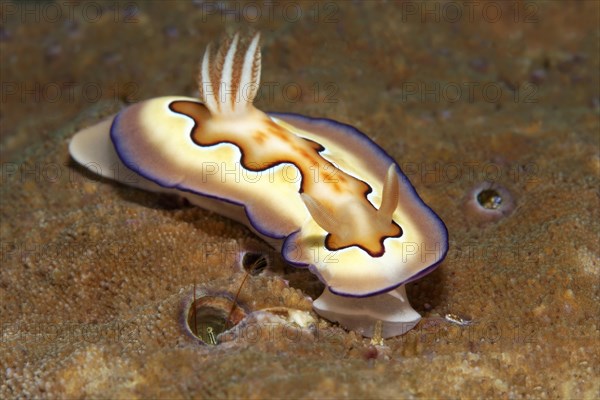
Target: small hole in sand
[254,263]
[488,202]
[209,316]
[490,199]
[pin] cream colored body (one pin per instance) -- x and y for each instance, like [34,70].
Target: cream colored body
[244,164]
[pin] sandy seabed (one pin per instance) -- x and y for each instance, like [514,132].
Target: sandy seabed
[95,276]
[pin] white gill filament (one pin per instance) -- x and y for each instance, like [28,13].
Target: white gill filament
[207,90]
[228,86]
[390,194]
[251,71]
[226,81]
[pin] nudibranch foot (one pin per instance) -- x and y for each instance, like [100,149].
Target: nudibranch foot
[362,314]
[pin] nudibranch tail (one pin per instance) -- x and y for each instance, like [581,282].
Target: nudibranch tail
[229,83]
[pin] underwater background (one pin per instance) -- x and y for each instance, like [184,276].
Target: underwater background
[491,108]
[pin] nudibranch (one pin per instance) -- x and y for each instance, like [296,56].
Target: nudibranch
[320,191]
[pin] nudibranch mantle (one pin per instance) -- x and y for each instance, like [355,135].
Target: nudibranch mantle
[320,191]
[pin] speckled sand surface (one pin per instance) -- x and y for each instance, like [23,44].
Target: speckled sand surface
[95,275]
